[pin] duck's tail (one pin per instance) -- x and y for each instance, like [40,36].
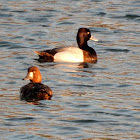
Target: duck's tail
[45,55]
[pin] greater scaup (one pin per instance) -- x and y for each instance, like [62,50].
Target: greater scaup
[35,90]
[72,54]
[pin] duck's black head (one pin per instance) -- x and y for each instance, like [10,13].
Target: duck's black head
[83,36]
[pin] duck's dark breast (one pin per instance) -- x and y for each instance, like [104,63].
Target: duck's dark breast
[89,56]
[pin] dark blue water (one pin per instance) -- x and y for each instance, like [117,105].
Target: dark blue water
[91,101]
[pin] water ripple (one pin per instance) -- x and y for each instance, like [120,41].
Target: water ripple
[90,101]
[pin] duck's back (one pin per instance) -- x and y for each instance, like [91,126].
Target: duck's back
[35,92]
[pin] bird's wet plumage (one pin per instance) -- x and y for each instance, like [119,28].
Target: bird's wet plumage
[35,90]
[72,54]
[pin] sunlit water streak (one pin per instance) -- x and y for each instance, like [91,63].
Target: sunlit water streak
[91,101]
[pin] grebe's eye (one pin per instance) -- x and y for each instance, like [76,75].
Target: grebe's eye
[88,33]
[33,71]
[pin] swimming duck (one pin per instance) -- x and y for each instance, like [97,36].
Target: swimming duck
[72,54]
[35,90]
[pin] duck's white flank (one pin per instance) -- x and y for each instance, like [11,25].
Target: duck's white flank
[69,54]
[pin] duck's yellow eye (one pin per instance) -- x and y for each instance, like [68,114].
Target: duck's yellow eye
[88,33]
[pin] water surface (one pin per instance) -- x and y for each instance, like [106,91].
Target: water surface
[91,101]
